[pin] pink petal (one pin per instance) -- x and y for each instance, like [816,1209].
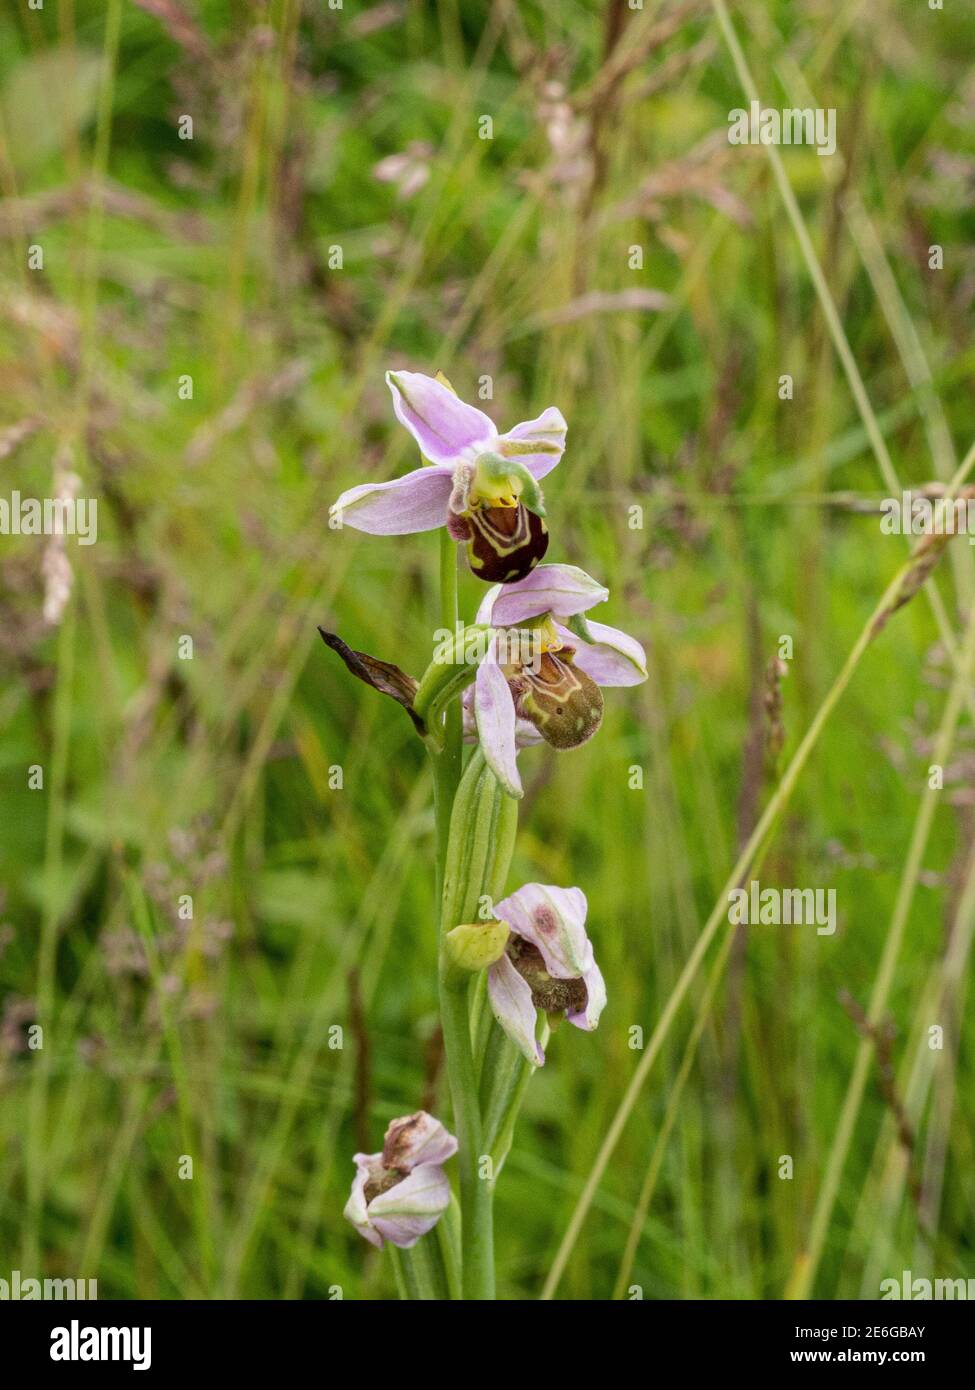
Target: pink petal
[416,1139]
[538,444]
[411,1208]
[595,1003]
[554,920]
[614,659]
[511,1002]
[494,714]
[356,1208]
[415,502]
[560,589]
[443,426]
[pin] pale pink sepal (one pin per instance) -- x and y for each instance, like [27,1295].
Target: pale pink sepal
[415,502]
[615,658]
[444,426]
[494,714]
[511,1002]
[562,590]
[554,920]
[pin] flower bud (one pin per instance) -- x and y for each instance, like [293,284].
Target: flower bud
[476,945]
[400,1193]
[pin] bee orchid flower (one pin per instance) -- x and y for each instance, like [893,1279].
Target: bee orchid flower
[481,485]
[547,964]
[401,1193]
[557,692]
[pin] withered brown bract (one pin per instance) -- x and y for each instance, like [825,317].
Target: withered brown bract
[381,675]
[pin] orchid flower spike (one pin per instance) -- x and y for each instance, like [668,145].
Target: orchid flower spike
[481,485]
[547,964]
[540,674]
[401,1193]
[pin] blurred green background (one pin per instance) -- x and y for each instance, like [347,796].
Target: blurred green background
[334,214]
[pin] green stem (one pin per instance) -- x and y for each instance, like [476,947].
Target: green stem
[453,740]
[477,1236]
[479,848]
[476,1214]
[447,762]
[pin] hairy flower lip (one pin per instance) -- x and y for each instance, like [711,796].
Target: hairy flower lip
[564,704]
[549,993]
